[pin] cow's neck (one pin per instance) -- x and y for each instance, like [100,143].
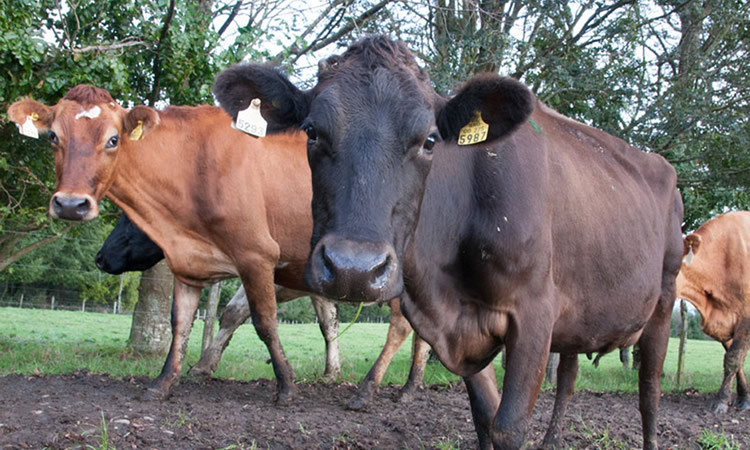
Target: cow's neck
[153,185]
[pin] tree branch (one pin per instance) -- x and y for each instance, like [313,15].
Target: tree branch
[157,58]
[108,47]
[346,29]
[232,15]
[31,247]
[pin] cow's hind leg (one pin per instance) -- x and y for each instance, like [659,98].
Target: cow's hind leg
[733,358]
[653,348]
[484,400]
[398,331]
[234,315]
[420,351]
[184,305]
[566,383]
[328,319]
[743,397]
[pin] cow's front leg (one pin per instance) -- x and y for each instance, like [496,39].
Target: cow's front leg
[484,400]
[398,330]
[527,348]
[261,296]
[234,315]
[328,319]
[184,305]
[566,383]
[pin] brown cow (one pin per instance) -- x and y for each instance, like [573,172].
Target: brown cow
[715,278]
[542,234]
[219,203]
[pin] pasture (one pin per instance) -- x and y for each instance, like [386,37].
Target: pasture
[74,384]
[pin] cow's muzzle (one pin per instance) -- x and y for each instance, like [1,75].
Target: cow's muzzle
[354,271]
[75,207]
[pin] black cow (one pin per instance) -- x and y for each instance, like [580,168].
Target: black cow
[542,233]
[127,249]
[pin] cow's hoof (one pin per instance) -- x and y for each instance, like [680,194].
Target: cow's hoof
[285,397]
[358,403]
[721,408]
[154,394]
[744,405]
[199,372]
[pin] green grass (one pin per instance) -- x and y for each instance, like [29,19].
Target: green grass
[51,342]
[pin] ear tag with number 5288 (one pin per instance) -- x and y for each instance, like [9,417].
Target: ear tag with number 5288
[473,132]
[250,121]
[28,128]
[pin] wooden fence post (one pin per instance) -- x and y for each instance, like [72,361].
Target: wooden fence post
[52,303]
[20,301]
[683,339]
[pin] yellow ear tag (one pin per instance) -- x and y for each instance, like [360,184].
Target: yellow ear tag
[28,128]
[473,132]
[137,131]
[250,121]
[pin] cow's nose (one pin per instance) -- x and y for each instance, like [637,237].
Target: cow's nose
[71,207]
[355,271]
[99,260]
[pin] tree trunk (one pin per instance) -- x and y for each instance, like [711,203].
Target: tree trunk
[151,330]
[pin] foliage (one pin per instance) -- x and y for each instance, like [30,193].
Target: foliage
[667,76]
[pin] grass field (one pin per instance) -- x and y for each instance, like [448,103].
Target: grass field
[51,342]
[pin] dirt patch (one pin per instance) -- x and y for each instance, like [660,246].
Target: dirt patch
[68,411]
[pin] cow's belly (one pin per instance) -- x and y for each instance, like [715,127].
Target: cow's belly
[200,265]
[593,325]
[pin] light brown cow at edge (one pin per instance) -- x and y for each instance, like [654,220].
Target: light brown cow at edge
[219,203]
[715,277]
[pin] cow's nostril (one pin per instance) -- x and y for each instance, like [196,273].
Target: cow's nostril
[328,265]
[99,260]
[380,268]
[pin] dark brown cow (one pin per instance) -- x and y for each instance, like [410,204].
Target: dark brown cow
[543,234]
[219,203]
[715,277]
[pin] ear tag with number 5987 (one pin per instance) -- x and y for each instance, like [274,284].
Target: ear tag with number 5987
[473,132]
[250,121]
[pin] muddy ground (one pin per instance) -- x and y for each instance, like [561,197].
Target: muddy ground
[68,411]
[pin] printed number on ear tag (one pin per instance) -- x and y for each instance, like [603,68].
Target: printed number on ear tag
[28,128]
[250,121]
[474,132]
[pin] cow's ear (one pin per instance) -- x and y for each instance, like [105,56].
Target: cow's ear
[504,103]
[282,105]
[41,115]
[140,121]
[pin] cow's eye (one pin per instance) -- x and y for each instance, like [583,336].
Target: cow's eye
[309,129]
[53,137]
[112,142]
[430,142]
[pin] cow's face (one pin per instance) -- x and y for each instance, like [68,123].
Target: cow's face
[374,125]
[86,130]
[127,249]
